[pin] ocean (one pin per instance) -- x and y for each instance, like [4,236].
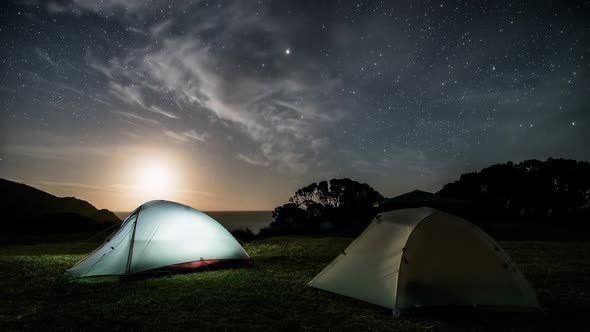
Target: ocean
[233,220]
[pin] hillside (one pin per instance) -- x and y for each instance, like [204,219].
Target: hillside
[25,208]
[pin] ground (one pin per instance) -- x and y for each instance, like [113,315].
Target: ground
[272,295]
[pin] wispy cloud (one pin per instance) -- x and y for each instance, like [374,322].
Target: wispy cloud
[159,28]
[54,184]
[134,116]
[280,114]
[54,152]
[78,7]
[132,95]
[75,185]
[158,110]
[252,160]
[110,188]
[186,136]
[43,55]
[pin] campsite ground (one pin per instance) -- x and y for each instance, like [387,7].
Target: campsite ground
[272,295]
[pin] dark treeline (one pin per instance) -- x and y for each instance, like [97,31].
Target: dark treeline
[531,200]
[532,189]
[528,200]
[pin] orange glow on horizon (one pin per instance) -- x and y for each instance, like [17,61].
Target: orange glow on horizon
[129,176]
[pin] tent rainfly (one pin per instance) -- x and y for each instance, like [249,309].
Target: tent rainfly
[163,235]
[425,258]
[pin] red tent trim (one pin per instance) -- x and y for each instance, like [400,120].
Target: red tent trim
[209,264]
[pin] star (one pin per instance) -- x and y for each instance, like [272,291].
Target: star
[457,80]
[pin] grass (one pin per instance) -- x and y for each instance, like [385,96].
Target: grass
[272,295]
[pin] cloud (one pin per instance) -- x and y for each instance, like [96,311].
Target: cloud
[78,7]
[52,185]
[51,152]
[186,136]
[252,160]
[43,55]
[135,116]
[133,95]
[318,144]
[282,114]
[158,110]
[74,185]
[159,28]
[129,94]
[111,188]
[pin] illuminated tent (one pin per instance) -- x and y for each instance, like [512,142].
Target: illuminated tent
[163,235]
[425,258]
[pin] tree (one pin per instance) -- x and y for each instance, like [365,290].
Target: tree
[530,189]
[338,204]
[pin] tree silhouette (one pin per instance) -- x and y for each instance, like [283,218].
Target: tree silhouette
[532,188]
[338,204]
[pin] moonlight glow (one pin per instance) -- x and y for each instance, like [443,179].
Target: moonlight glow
[240,103]
[156,178]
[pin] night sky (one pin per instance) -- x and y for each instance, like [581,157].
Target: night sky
[234,105]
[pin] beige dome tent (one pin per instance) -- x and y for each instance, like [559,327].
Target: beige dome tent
[163,235]
[424,258]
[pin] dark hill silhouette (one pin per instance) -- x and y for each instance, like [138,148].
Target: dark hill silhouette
[25,208]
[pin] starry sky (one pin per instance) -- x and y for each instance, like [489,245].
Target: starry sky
[237,104]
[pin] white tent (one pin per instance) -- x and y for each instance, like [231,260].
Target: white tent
[421,257]
[161,234]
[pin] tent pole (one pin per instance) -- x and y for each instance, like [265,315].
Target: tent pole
[132,242]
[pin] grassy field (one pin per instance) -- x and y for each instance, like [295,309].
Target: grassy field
[272,295]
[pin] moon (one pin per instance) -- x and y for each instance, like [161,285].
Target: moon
[156,178]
